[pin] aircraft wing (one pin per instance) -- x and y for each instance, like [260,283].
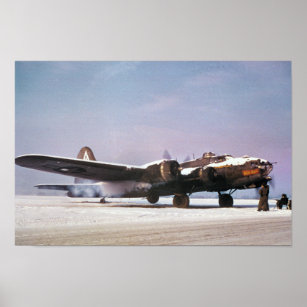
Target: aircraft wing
[81,168]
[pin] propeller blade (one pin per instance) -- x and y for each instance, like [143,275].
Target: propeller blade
[187,158]
[272,182]
[166,155]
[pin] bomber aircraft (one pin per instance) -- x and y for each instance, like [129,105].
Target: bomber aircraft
[210,173]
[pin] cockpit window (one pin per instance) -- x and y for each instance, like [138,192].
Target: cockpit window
[221,159]
[208,155]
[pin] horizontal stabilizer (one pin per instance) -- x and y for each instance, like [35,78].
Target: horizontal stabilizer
[60,187]
[75,190]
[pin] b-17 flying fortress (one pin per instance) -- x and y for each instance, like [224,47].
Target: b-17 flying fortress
[223,174]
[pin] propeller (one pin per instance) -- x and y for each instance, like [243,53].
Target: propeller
[272,182]
[166,155]
[187,158]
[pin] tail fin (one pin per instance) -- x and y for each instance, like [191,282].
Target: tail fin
[87,154]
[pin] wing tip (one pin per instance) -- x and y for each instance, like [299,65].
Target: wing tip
[19,160]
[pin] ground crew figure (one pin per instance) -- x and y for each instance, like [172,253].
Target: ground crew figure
[282,201]
[264,196]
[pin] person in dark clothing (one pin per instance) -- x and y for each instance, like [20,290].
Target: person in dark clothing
[264,196]
[282,201]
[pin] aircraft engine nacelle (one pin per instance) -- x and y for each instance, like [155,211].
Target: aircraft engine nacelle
[164,171]
[208,175]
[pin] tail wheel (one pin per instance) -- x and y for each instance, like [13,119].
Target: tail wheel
[225,200]
[181,201]
[153,197]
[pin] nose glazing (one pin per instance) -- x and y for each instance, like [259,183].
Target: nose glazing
[268,167]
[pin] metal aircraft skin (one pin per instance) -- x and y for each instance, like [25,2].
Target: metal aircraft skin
[160,178]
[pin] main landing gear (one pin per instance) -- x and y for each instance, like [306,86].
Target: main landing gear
[225,200]
[181,201]
[153,197]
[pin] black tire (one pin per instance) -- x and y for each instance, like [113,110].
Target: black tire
[153,198]
[225,201]
[181,201]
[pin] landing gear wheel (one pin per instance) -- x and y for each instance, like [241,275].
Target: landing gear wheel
[153,198]
[225,201]
[181,201]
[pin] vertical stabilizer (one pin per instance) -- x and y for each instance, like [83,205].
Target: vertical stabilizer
[87,154]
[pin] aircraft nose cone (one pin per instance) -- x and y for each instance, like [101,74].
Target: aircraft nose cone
[266,167]
[269,167]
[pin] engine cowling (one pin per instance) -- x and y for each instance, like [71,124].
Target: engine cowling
[165,171]
[169,170]
[208,175]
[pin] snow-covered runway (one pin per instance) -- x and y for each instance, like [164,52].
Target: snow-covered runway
[50,220]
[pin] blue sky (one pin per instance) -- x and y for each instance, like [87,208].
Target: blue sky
[130,112]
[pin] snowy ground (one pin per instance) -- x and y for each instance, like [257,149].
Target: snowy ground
[46,220]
